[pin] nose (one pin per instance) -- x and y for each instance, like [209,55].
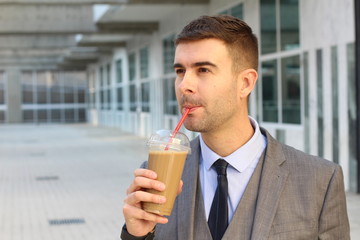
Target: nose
[187,84]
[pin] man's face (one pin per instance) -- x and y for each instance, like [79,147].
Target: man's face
[206,83]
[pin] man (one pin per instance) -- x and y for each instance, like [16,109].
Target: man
[272,190]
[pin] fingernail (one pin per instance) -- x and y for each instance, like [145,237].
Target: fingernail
[161,186]
[162,199]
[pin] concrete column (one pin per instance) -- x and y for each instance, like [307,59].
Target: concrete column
[14,114]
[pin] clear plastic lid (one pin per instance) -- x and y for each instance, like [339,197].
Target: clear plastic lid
[163,140]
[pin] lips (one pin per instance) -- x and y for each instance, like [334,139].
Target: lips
[192,108]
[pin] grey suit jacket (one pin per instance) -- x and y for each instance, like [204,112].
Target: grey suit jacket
[299,197]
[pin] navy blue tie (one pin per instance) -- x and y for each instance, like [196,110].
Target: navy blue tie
[218,218]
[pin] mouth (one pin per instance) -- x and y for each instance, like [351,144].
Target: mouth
[191,107]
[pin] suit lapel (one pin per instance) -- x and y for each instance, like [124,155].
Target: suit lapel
[272,181]
[186,200]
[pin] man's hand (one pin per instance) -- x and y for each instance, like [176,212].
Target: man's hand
[138,221]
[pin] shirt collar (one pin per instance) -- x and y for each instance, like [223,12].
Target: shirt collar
[242,157]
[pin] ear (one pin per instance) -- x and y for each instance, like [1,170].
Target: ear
[247,81]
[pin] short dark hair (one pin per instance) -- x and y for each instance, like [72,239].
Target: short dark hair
[238,37]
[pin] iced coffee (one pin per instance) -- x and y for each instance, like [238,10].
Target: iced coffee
[167,155]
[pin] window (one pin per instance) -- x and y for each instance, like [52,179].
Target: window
[289,24]
[132,67]
[120,100]
[133,98]
[281,102]
[168,54]
[320,109]
[335,103]
[2,88]
[119,71]
[28,116]
[288,80]
[27,87]
[108,74]
[119,81]
[279,25]
[236,11]
[41,87]
[2,116]
[56,89]
[42,115]
[269,91]
[69,115]
[144,63]
[145,97]
[55,115]
[290,71]
[170,103]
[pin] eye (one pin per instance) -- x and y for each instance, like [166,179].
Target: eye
[204,70]
[179,71]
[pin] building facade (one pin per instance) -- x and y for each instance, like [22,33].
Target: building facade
[305,95]
[120,73]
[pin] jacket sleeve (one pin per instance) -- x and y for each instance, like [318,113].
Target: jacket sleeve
[333,221]
[127,236]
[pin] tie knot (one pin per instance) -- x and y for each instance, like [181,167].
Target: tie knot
[220,166]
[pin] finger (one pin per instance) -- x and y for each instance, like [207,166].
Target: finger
[142,196]
[143,172]
[132,214]
[143,182]
[180,187]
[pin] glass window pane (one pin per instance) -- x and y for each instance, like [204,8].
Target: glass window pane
[2,88]
[170,103]
[119,71]
[289,24]
[108,74]
[320,109]
[41,95]
[81,95]
[28,116]
[351,93]
[168,54]
[55,115]
[237,11]
[269,91]
[42,115]
[133,98]
[132,67]
[69,115]
[55,94]
[69,95]
[120,99]
[27,87]
[290,69]
[306,103]
[335,104]
[82,115]
[101,76]
[145,97]
[268,26]
[2,116]
[144,63]
[108,99]
[102,99]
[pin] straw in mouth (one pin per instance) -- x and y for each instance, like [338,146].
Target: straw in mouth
[178,126]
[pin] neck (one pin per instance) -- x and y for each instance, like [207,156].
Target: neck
[228,140]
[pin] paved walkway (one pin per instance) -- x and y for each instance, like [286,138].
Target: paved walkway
[67,182]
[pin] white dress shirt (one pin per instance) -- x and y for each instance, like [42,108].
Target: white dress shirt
[242,164]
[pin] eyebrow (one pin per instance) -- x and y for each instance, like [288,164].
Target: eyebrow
[197,64]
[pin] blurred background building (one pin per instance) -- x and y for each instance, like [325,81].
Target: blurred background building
[109,62]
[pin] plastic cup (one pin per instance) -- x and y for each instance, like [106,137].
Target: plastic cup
[167,155]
